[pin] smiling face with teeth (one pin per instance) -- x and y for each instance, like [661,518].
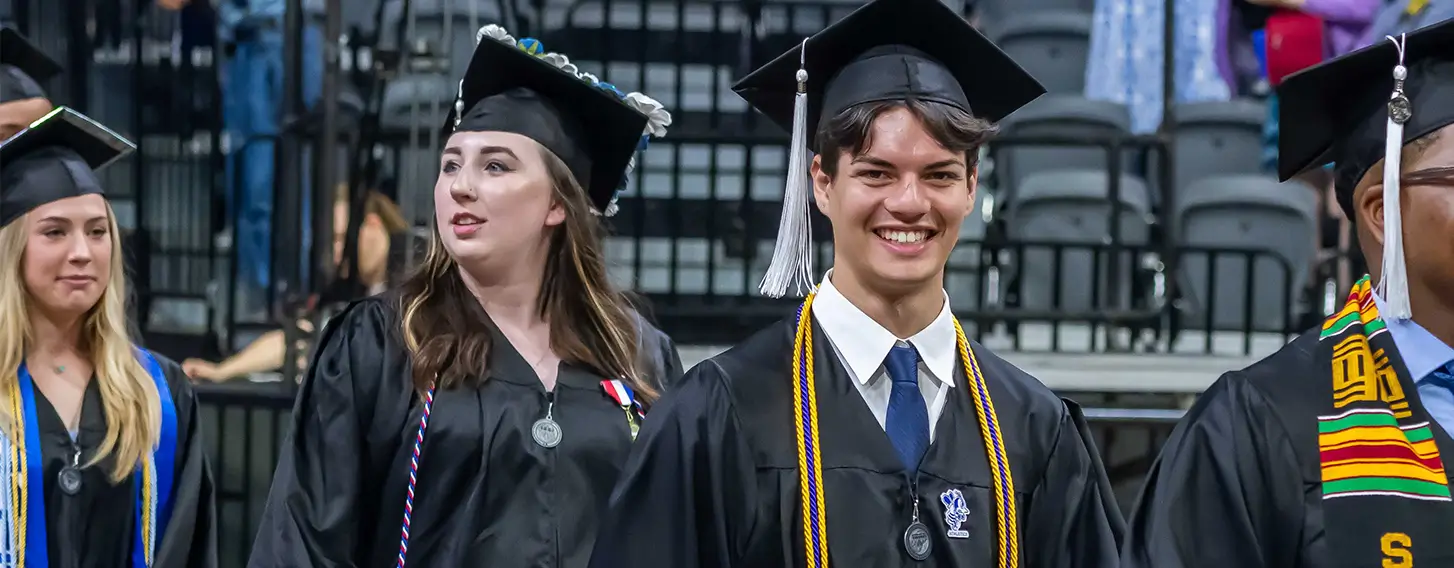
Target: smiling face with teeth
[898,181]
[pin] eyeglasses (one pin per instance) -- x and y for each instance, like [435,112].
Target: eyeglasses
[1432,176]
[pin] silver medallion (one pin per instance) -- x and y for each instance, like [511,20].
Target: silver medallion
[69,480]
[1400,110]
[546,432]
[917,542]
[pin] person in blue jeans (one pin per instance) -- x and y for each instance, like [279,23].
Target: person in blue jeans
[252,95]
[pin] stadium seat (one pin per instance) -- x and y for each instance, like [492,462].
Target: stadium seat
[1071,207]
[1245,212]
[961,275]
[688,87]
[1056,115]
[1217,138]
[1052,45]
[446,27]
[994,13]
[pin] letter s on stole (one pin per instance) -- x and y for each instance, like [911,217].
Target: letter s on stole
[1396,553]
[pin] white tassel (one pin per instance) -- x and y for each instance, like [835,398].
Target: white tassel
[792,254]
[1394,283]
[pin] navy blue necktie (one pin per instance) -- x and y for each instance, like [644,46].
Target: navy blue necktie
[1445,375]
[907,423]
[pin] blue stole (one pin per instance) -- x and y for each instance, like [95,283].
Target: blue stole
[159,473]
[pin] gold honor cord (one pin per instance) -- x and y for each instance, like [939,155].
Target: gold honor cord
[19,468]
[810,468]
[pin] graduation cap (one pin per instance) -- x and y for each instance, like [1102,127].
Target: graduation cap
[594,128]
[887,50]
[1362,108]
[56,158]
[22,67]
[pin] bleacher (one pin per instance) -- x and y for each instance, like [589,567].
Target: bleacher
[1125,271]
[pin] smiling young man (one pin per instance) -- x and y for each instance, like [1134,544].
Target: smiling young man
[866,429]
[1328,453]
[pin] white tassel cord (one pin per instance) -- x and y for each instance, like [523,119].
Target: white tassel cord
[792,254]
[1394,281]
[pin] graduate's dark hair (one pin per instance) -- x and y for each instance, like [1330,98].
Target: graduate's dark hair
[592,324]
[852,130]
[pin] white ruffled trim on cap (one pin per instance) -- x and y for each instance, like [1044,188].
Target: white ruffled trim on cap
[657,117]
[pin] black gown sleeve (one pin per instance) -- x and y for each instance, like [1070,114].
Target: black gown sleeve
[672,367]
[315,514]
[190,540]
[1225,491]
[1073,505]
[686,496]
[660,354]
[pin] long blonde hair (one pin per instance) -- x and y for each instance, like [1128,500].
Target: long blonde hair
[128,393]
[591,323]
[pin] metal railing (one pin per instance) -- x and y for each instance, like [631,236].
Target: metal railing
[244,425]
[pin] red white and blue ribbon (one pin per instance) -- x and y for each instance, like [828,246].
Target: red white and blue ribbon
[626,399]
[624,396]
[414,475]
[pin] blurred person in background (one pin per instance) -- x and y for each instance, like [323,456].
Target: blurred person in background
[1328,453]
[253,100]
[1404,16]
[22,68]
[1344,21]
[480,413]
[382,222]
[1287,36]
[106,465]
[1125,63]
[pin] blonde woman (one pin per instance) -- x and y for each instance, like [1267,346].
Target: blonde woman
[479,415]
[104,467]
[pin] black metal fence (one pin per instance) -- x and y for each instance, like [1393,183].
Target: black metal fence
[245,425]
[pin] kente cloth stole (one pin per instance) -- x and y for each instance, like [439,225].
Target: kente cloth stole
[1385,492]
[23,539]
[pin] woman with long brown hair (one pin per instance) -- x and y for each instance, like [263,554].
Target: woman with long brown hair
[104,467]
[480,414]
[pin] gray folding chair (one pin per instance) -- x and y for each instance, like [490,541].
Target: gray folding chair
[961,273]
[1052,45]
[1073,207]
[1245,212]
[1217,138]
[1063,116]
[446,27]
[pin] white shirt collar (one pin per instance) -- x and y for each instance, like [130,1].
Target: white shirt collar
[864,344]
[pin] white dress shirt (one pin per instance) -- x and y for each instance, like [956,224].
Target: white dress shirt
[861,344]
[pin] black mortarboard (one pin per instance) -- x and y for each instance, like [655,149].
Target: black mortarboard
[1340,112]
[594,128]
[22,67]
[55,158]
[887,50]
[892,50]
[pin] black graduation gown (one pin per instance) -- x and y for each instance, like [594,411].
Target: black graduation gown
[1238,483]
[486,494]
[713,482]
[96,527]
